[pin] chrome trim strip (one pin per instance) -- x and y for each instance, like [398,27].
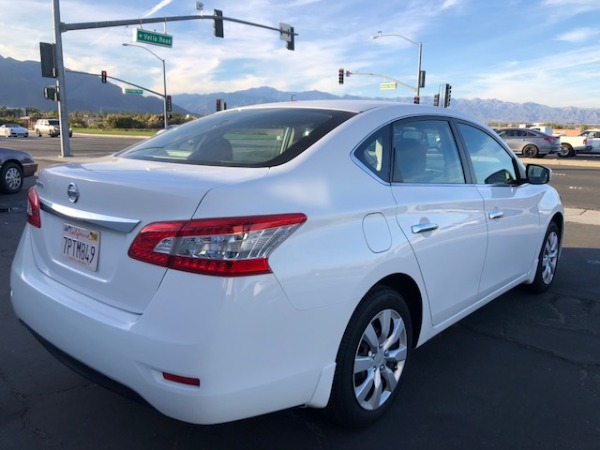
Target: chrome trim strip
[114,223]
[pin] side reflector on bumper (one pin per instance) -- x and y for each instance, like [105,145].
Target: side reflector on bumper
[182,380]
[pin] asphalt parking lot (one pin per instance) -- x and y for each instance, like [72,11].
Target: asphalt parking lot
[522,372]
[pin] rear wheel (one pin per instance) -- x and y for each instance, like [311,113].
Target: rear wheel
[548,260]
[530,151]
[565,151]
[11,178]
[371,359]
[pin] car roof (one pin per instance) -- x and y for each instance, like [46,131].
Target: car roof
[360,106]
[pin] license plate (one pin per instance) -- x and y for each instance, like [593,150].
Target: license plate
[81,246]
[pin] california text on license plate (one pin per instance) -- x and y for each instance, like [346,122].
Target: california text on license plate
[81,245]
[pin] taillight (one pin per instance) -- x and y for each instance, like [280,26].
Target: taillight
[229,246]
[33,208]
[551,139]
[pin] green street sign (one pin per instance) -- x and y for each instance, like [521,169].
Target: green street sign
[151,37]
[133,91]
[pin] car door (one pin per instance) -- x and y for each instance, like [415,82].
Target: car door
[511,210]
[441,215]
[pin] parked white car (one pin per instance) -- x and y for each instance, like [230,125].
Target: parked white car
[13,130]
[51,127]
[280,255]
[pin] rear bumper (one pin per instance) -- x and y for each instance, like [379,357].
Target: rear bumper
[251,350]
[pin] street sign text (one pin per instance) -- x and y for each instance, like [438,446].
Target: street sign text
[151,37]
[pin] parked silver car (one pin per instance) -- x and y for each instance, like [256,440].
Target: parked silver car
[528,142]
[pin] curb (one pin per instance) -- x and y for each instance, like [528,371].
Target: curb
[583,216]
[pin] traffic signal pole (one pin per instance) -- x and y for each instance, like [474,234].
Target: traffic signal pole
[61,90]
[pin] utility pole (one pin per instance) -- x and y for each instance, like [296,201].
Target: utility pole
[61,90]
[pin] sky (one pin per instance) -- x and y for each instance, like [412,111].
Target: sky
[542,51]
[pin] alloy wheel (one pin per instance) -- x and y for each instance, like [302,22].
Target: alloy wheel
[550,257]
[379,359]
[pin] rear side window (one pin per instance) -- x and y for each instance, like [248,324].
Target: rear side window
[425,152]
[241,138]
[374,153]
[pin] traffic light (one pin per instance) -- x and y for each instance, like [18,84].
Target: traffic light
[219,24]
[436,100]
[286,33]
[169,103]
[50,93]
[218,104]
[103,76]
[47,59]
[448,95]
[416,100]
[341,76]
[422,78]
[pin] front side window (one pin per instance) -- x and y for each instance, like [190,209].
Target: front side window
[491,162]
[426,152]
[241,138]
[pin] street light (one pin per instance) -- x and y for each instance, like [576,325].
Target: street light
[418,44]
[165,121]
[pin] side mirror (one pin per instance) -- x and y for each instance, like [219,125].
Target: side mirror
[538,174]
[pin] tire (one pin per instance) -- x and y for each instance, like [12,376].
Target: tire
[530,151]
[565,151]
[548,260]
[373,354]
[11,178]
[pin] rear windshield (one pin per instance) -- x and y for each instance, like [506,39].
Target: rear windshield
[241,138]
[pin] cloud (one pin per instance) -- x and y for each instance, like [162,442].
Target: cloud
[579,35]
[158,7]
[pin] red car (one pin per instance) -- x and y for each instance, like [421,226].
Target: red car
[15,165]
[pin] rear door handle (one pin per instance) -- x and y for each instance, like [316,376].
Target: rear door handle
[424,227]
[496,215]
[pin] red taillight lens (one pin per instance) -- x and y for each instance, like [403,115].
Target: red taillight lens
[230,246]
[550,139]
[33,208]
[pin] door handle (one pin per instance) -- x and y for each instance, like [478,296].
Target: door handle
[496,215]
[424,227]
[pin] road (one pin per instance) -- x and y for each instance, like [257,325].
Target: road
[523,372]
[578,186]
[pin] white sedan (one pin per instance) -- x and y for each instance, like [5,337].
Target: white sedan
[292,254]
[13,130]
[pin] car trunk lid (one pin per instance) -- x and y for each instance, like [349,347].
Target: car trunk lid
[91,212]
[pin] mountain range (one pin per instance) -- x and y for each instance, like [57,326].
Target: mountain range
[22,86]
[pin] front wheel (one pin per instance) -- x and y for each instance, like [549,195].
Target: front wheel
[530,151]
[372,356]
[548,260]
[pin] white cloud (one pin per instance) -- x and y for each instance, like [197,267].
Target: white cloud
[158,7]
[579,35]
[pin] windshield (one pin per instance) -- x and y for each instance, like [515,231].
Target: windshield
[241,138]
